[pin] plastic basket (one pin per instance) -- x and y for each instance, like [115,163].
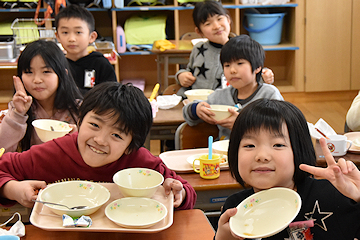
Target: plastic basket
[266,29]
[26,30]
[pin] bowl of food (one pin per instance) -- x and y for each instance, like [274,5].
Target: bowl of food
[221,111]
[138,182]
[135,212]
[75,193]
[221,147]
[48,129]
[255,214]
[198,94]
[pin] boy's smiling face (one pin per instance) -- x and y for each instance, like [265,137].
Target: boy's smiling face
[75,36]
[100,141]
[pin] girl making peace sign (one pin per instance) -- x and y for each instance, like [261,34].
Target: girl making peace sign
[270,146]
[44,89]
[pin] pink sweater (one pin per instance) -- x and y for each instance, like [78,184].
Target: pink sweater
[13,126]
[60,159]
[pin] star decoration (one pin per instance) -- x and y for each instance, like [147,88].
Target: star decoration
[318,216]
[201,50]
[202,70]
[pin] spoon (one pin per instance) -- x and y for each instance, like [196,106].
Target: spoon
[70,208]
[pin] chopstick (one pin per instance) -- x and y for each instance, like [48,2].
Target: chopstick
[322,133]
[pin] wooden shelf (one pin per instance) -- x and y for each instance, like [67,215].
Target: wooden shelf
[285,59]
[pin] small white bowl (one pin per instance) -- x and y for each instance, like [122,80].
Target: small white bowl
[138,182]
[221,111]
[134,212]
[75,193]
[198,94]
[265,213]
[221,147]
[49,129]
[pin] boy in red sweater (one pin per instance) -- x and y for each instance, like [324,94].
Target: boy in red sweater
[114,121]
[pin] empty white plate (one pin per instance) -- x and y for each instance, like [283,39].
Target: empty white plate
[135,212]
[265,213]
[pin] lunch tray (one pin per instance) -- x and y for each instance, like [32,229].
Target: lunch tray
[176,160]
[42,217]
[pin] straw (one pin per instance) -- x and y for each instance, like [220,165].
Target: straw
[210,147]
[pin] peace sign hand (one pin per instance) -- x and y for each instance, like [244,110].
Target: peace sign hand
[21,100]
[344,174]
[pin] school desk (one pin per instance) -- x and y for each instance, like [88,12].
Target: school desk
[165,124]
[187,225]
[179,55]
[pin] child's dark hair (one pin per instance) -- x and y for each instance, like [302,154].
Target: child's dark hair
[76,11]
[67,94]
[126,103]
[271,115]
[206,9]
[243,47]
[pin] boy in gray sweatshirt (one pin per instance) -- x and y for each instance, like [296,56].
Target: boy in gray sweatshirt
[242,59]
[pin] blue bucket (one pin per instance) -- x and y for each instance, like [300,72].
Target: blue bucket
[265,28]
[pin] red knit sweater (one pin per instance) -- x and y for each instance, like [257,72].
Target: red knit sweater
[60,160]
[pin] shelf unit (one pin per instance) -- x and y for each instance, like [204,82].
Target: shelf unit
[286,59]
[8,69]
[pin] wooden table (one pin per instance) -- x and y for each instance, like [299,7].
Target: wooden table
[179,55]
[188,225]
[320,159]
[165,124]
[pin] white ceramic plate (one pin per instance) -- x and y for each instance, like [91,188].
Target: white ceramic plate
[134,212]
[265,213]
[353,136]
[191,159]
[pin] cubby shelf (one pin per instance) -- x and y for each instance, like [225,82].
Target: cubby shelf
[285,59]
